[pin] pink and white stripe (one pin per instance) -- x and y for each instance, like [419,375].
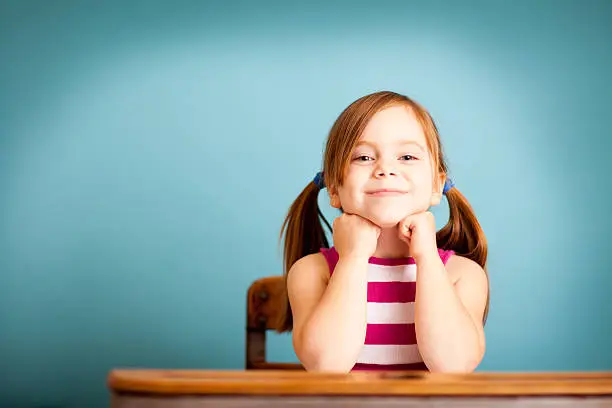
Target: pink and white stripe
[390,342]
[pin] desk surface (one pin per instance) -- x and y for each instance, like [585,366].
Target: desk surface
[203,382]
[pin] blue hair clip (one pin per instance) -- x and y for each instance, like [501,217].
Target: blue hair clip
[448,184]
[319,180]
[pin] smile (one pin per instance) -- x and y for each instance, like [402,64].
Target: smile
[385,192]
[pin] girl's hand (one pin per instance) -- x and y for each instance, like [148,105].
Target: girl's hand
[354,236]
[419,232]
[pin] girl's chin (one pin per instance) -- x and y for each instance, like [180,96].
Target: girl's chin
[386,222]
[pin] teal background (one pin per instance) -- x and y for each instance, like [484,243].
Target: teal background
[149,151]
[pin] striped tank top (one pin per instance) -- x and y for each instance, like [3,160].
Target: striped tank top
[390,342]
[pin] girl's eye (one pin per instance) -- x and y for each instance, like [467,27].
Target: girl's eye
[363,158]
[408,157]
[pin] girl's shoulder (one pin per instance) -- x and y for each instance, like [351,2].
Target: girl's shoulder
[462,268]
[313,267]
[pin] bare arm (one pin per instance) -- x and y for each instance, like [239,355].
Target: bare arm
[448,317]
[329,314]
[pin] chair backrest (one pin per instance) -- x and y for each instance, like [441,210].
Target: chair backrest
[264,306]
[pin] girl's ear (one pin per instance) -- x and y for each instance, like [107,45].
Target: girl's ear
[334,199]
[436,195]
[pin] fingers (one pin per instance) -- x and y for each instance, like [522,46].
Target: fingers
[404,237]
[406,224]
[409,223]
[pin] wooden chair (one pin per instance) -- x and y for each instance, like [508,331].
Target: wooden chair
[264,305]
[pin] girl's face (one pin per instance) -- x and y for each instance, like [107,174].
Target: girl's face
[390,175]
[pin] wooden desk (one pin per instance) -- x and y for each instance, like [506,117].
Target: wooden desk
[299,389]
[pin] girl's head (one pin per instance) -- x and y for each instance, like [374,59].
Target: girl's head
[389,173]
[383,161]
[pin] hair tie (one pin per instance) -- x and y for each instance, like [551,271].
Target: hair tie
[448,184]
[319,180]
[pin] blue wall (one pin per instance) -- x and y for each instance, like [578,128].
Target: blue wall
[149,152]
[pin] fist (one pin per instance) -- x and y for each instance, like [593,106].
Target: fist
[419,232]
[354,236]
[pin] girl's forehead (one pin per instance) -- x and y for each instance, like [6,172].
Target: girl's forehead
[393,125]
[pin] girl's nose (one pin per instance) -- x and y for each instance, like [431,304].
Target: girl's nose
[385,171]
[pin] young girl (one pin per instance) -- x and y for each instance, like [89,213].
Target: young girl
[391,293]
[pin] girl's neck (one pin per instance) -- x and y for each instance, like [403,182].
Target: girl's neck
[390,245]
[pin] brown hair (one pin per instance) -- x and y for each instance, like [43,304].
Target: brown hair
[302,228]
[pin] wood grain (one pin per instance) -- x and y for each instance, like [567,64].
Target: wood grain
[145,401]
[264,303]
[276,382]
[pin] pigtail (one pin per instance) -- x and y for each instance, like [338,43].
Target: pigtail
[304,235]
[463,232]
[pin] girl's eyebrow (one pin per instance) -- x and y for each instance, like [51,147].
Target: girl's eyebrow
[400,143]
[412,142]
